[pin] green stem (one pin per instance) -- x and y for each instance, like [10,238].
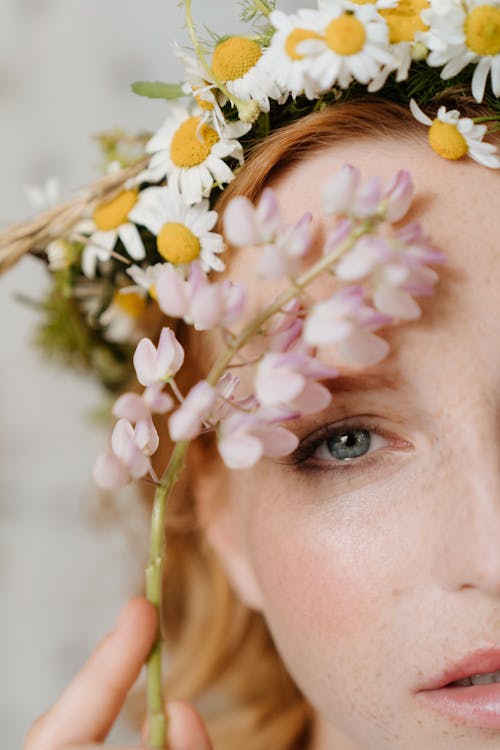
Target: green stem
[489,118]
[201,57]
[154,571]
[156,709]
[262,7]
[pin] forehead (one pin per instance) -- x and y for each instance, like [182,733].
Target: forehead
[458,204]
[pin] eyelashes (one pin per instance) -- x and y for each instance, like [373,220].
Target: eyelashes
[315,454]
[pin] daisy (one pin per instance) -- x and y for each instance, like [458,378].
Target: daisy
[452,136]
[354,44]
[203,89]
[462,33]
[406,28]
[182,232]
[190,153]
[284,59]
[109,223]
[121,316]
[237,63]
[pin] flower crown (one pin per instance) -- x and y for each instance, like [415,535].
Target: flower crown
[143,238]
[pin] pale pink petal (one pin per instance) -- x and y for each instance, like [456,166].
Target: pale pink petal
[109,472]
[131,406]
[145,362]
[363,348]
[339,191]
[234,296]
[206,308]
[170,353]
[273,263]
[139,465]
[301,237]
[171,293]
[367,198]
[122,439]
[340,233]
[239,451]
[157,400]
[146,437]
[393,301]
[314,398]
[276,386]
[399,195]
[320,329]
[240,225]
[268,214]
[362,259]
[277,441]
[186,422]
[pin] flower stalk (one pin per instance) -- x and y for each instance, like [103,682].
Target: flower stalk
[154,576]
[154,569]
[246,111]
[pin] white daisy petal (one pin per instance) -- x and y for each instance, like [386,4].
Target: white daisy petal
[418,114]
[188,228]
[129,235]
[479,79]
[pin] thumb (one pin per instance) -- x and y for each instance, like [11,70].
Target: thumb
[186,728]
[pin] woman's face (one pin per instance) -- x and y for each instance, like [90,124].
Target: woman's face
[374,578]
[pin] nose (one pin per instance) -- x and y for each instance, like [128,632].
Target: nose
[471,543]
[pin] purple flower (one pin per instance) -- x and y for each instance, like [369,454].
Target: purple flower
[395,267]
[187,421]
[245,224]
[344,194]
[281,258]
[156,365]
[285,328]
[135,407]
[244,438]
[129,455]
[399,195]
[288,379]
[346,321]
[198,301]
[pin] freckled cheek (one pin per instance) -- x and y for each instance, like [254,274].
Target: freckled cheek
[324,606]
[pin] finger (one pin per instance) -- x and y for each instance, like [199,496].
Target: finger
[91,703]
[186,729]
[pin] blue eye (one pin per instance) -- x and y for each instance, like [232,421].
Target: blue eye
[348,444]
[336,447]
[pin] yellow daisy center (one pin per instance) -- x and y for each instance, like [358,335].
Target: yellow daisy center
[404,20]
[295,38]
[482,30]
[131,303]
[189,146]
[114,213]
[234,57]
[345,35]
[177,243]
[446,140]
[152,292]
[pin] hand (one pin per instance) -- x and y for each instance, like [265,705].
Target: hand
[84,714]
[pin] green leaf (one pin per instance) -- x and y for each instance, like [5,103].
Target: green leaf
[158,90]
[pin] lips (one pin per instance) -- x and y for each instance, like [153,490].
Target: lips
[479,662]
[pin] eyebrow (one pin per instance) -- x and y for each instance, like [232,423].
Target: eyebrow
[362,383]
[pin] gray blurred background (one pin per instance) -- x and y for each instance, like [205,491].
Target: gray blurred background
[67,564]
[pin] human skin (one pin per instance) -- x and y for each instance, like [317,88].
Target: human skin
[373,580]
